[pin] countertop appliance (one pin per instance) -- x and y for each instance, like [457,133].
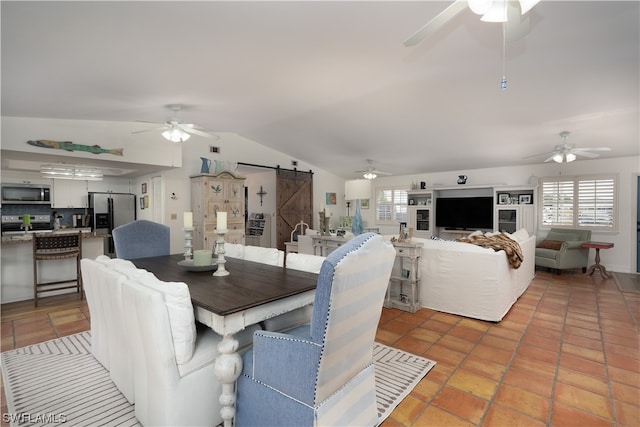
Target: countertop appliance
[12,224]
[26,194]
[110,210]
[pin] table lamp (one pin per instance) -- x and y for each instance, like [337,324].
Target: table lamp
[357,189]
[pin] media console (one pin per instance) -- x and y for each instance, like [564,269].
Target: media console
[452,212]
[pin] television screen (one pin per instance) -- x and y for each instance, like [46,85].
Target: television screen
[464,213]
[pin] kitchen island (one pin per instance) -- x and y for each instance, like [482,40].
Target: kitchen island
[17,265]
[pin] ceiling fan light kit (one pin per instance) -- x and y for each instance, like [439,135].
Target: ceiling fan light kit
[175,135]
[496,10]
[370,175]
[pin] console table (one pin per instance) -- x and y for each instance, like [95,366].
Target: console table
[324,245]
[597,246]
[403,291]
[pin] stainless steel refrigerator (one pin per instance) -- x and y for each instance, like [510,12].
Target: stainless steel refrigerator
[109,210]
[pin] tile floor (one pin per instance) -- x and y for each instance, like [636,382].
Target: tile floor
[567,354]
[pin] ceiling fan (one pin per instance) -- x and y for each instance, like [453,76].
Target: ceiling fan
[568,153]
[371,172]
[491,11]
[175,130]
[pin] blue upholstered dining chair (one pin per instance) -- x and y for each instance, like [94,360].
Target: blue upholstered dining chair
[141,239]
[323,373]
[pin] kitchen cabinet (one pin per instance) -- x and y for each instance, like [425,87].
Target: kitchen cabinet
[68,193]
[213,193]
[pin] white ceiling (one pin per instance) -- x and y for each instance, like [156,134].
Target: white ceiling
[330,82]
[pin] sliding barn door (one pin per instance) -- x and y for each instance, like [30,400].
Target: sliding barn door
[294,202]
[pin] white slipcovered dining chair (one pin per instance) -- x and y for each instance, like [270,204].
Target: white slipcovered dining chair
[323,373]
[270,256]
[302,315]
[173,364]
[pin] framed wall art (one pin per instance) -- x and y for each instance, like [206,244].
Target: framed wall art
[504,198]
[524,199]
[331,198]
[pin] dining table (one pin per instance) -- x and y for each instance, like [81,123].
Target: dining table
[251,293]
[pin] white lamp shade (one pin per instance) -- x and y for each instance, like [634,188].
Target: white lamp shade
[357,189]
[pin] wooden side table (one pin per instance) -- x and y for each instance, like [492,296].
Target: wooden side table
[597,246]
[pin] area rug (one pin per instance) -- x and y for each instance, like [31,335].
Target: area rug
[59,381]
[627,282]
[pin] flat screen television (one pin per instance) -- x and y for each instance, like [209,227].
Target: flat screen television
[464,213]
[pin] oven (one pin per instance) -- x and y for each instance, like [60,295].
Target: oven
[15,224]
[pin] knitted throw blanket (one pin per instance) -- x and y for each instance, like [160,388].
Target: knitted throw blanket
[499,242]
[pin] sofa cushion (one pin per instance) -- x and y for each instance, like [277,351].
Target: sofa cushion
[550,244]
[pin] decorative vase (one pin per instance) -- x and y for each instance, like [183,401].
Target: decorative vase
[357,226]
[206,164]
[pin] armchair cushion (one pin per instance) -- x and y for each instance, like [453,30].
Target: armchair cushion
[551,244]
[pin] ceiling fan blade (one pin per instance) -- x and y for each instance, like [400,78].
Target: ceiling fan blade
[537,155]
[436,23]
[585,154]
[592,149]
[550,158]
[149,130]
[189,128]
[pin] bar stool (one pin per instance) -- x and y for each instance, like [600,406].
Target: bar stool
[48,247]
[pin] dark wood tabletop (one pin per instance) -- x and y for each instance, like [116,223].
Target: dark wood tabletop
[250,284]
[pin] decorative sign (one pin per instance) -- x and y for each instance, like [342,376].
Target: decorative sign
[70,146]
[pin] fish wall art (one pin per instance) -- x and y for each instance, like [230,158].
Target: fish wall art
[70,146]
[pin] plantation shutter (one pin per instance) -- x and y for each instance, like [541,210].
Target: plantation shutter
[391,205]
[596,202]
[587,201]
[557,203]
[400,200]
[384,205]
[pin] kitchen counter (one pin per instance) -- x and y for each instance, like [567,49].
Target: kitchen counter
[17,265]
[27,237]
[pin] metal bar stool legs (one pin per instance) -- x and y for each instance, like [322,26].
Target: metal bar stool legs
[48,247]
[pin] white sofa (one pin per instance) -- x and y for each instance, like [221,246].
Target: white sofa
[472,281]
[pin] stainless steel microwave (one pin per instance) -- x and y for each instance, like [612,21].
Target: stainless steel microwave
[20,194]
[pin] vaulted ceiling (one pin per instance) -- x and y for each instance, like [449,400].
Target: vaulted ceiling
[330,82]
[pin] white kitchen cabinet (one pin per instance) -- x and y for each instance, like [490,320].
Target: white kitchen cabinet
[68,193]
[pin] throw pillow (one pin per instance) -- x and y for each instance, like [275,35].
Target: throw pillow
[551,244]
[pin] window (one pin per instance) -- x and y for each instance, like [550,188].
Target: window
[581,201]
[391,205]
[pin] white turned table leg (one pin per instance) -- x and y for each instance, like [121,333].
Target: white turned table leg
[227,369]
